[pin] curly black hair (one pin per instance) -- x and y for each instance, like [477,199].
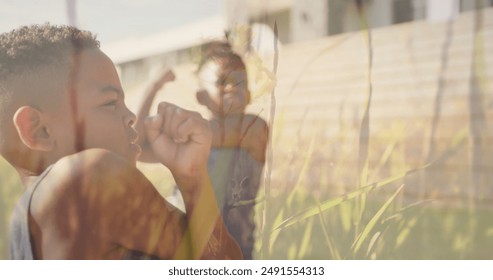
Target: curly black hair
[221,52]
[29,47]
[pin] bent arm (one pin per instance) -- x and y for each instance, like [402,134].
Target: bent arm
[143,111]
[110,202]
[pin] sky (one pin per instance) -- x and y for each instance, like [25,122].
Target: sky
[111,20]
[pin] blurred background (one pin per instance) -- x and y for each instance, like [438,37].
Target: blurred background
[381,113]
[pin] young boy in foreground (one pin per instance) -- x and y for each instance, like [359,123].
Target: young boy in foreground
[66,129]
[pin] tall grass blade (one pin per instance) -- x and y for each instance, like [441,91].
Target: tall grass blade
[373,240]
[457,141]
[275,235]
[398,214]
[371,224]
[437,108]
[332,248]
[305,241]
[345,216]
[404,233]
[268,167]
[310,212]
[477,119]
[303,172]
[364,135]
[292,195]
[386,154]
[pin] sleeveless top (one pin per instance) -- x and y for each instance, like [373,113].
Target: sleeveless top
[20,237]
[235,177]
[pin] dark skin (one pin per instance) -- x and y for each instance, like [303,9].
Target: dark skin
[166,76]
[231,126]
[225,93]
[94,203]
[129,203]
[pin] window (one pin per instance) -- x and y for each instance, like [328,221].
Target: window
[402,11]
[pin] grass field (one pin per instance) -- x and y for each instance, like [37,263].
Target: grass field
[317,212]
[407,210]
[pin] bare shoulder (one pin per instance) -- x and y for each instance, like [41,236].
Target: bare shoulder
[256,128]
[256,124]
[93,176]
[79,171]
[80,197]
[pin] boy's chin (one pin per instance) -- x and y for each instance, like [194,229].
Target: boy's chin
[233,112]
[134,153]
[228,111]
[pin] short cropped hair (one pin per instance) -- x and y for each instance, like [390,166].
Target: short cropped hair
[27,48]
[35,60]
[220,52]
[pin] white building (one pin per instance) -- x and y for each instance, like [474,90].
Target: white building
[297,20]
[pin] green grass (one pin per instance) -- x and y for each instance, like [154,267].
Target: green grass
[425,231]
[315,212]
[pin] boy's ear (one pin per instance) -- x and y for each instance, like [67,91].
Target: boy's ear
[32,129]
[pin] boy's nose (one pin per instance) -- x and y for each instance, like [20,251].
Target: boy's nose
[130,117]
[228,88]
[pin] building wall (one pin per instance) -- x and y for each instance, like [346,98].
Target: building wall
[469,5]
[309,19]
[283,20]
[323,84]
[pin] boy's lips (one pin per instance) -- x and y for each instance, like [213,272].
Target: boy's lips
[136,149]
[134,137]
[134,146]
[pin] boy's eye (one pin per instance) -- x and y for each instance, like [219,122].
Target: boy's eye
[111,103]
[233,83]
[239,83]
